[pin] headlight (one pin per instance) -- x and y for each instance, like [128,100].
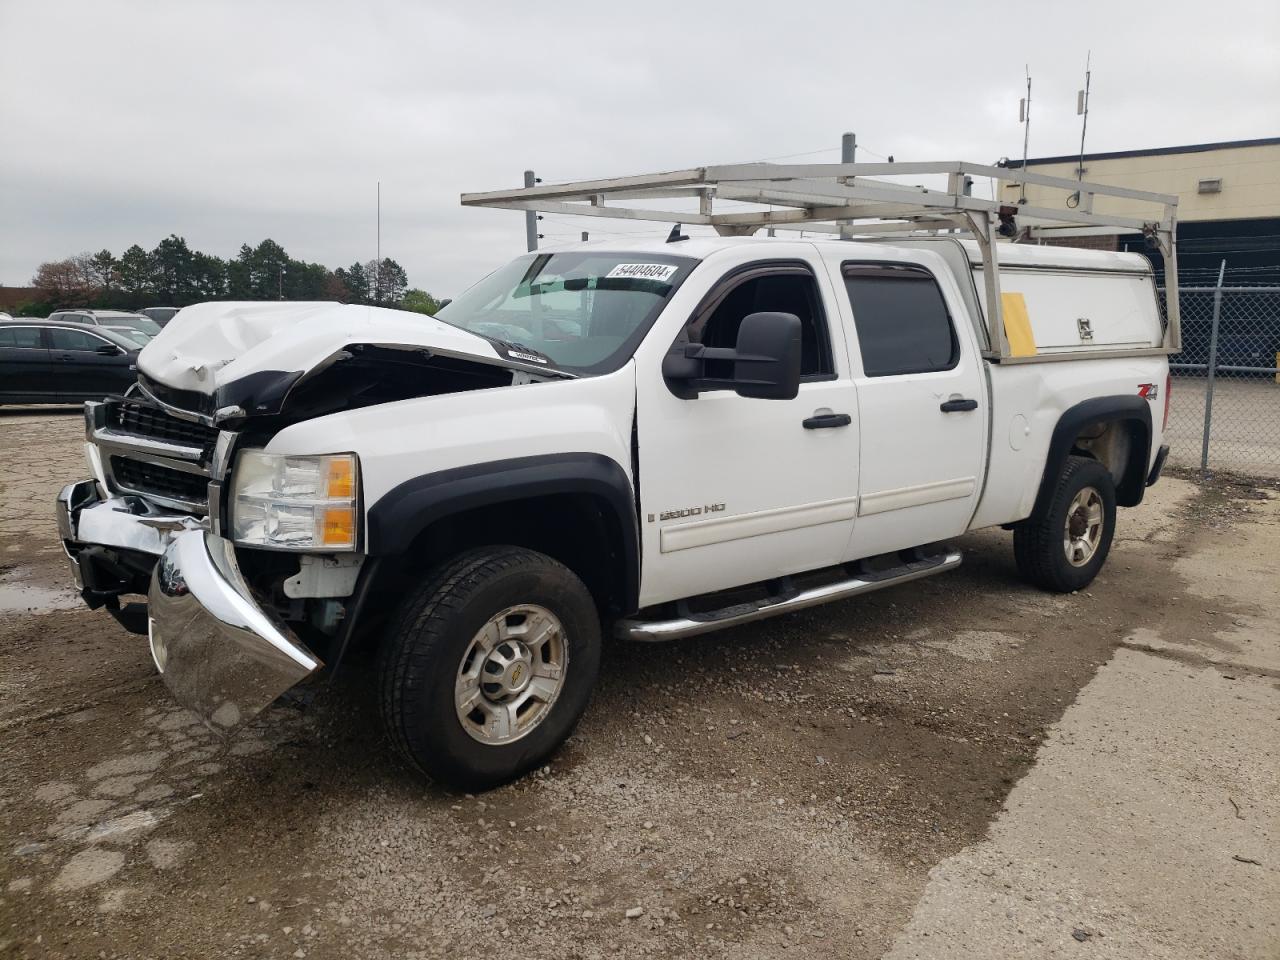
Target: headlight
[296,503]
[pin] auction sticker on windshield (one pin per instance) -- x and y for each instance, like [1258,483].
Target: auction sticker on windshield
[643,271]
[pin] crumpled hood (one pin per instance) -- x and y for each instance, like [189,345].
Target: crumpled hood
[208,345]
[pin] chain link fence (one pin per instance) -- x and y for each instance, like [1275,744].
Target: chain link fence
[1224,412]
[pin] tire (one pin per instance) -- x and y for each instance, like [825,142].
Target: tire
[1040,544]
[436,637]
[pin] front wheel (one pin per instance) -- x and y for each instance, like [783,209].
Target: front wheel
[488,666]
[1064,548]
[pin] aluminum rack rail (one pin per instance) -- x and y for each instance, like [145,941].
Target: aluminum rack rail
[846,199]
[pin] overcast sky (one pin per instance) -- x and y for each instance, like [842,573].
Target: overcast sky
[230,122]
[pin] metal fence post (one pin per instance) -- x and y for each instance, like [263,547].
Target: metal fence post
[1213,368]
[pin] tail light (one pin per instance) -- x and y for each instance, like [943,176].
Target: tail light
[1168,385]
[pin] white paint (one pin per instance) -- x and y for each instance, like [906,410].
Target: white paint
[917,496]
[701,533]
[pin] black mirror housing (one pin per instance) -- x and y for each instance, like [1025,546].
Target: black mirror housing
[767,365]
[108,350]
[766,361]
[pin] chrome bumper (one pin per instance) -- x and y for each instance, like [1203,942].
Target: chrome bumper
[221,655]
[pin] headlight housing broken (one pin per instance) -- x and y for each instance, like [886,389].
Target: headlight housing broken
[304,503]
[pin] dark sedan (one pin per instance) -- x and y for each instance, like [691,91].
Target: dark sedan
[49,361]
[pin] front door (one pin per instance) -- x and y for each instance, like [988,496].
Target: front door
[924,417]
[81,371]
[735,490]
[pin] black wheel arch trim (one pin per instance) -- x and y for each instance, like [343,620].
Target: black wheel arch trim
[1132,486]
[405,511]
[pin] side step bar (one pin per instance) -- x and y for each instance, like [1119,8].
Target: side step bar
[653,631]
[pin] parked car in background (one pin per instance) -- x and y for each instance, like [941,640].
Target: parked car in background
[160,315]
[109,318]
[140,337]
[5,316]
[51,361]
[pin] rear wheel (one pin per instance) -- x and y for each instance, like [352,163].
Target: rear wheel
[489,665]
[1063,548]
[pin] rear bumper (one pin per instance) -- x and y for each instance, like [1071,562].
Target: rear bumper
[221,654]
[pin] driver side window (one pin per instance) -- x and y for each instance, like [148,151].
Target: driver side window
[778,289]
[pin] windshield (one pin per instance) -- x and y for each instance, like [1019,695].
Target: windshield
[128,333]
[585,312]
[147,326]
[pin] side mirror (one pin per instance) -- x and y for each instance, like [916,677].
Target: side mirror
[767,366]
[766,361]
[444,303]
[108,350]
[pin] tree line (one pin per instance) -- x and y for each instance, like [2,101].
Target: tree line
[174,275]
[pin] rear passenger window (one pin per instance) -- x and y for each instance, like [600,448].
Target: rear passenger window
[21,337]
[64,339]
[902,321]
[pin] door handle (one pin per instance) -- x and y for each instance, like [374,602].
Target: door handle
[958,406]
[64,356]
[824,421]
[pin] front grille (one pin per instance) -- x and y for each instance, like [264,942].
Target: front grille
[143,420]
[147,478]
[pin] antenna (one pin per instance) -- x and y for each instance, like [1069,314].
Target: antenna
[1082,110]
[377,264]
[1024,118]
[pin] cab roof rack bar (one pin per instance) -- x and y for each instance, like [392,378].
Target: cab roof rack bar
[847,199]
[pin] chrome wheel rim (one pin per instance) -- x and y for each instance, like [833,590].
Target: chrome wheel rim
[1083,529]
[511,674]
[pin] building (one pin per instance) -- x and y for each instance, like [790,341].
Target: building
[1228,203]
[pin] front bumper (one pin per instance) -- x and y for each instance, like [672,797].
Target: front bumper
[222,655]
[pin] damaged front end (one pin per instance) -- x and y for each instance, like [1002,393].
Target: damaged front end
[233,624]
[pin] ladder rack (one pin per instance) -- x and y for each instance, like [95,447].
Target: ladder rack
[846,199]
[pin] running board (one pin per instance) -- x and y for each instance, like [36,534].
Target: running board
[653,631]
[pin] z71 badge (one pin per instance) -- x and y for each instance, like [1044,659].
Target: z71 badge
[687,512]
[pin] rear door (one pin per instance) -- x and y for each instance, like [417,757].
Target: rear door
[82,372]
[923,403]
[25,371]
[735,490]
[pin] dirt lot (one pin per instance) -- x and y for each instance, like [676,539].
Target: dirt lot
[958,767]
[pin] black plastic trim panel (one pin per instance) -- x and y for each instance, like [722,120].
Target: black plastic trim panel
[1132,485]
[401,514]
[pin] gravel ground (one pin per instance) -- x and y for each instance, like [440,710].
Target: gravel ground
[794,788]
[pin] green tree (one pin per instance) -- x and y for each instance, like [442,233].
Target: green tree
[268,264]
[136,273]
[173,262]
[104,267]
[419,301]
[208,277]
[357,282]
[240,274]
[388,280]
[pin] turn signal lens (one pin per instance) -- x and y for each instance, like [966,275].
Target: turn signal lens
[342,478]
[339,529]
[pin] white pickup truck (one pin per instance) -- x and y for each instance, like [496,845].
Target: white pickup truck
[653,439]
